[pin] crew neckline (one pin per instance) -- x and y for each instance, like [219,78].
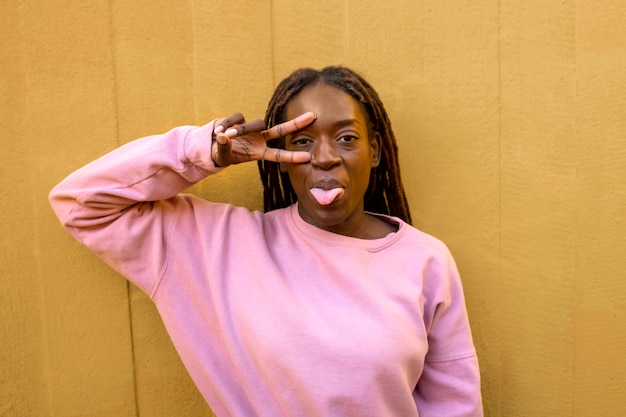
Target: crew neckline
[334,239]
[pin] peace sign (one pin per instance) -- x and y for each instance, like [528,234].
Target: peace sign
[238,141]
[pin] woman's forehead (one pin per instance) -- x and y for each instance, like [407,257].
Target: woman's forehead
[330,104]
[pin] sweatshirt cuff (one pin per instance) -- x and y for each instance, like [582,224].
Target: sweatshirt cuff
[197,147]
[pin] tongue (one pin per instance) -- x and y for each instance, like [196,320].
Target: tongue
[325,197]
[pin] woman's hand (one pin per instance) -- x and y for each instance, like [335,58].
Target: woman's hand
[239,141]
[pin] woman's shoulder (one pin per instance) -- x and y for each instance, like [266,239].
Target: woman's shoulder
[413,236]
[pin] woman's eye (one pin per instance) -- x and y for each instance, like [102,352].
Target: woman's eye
[347,138]
[300,141]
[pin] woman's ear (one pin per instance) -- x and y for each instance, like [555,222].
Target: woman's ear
[282,167]
[375,143]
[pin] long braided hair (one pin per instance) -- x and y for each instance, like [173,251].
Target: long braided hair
[385,193]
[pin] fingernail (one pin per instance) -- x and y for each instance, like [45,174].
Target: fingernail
[218,129]
[231,132]
[221,138]
[307,115]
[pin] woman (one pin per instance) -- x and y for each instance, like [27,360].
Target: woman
[327,304]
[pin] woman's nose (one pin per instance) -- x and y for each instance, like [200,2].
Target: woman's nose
[325,156]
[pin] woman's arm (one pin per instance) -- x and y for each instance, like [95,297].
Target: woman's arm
[450,382]
[146,170]
[123,205]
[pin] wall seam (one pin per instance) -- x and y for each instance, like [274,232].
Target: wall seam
[272,41]
[116,109]
[36,244]
[573,280]
[498,403]
[196,112]
[346,31]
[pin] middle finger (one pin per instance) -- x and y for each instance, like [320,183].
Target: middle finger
[244,128]
[290,126]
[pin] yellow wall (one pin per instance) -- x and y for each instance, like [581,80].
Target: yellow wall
[511,119]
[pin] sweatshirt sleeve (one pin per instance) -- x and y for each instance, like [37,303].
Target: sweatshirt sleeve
[450,382]
[122,205]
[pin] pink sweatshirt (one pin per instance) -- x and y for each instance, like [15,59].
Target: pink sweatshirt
[270,315]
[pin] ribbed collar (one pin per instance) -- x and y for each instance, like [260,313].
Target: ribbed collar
[333,239]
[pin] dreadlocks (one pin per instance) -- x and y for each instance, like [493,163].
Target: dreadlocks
[385,193]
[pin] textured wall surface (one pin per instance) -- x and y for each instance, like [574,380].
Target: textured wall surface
[511,119]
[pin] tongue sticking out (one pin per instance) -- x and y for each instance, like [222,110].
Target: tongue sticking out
[325,197]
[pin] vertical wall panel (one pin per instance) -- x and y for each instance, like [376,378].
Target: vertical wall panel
[84,308]
[152,47]
[453,123]
[233,72]
[441,88]
[78,360]
[538,208]
[600,300]
[154,73]
[307,33]
[22,349]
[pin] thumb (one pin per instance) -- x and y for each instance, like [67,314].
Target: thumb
[221,155]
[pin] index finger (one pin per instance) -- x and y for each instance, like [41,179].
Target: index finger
[289,126]
[225,123]
[291,157]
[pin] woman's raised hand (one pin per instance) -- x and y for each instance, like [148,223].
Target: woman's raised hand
[236,140]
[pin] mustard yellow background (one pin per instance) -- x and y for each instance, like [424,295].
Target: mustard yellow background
[510,116]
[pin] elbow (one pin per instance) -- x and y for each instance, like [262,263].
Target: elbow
[61,204]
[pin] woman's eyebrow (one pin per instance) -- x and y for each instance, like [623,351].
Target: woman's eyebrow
[335,125]
[345,122]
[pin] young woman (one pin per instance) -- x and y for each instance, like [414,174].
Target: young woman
[327,304]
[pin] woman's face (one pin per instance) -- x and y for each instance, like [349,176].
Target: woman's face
[331,187]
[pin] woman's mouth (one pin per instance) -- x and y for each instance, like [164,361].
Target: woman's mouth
[327,196]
